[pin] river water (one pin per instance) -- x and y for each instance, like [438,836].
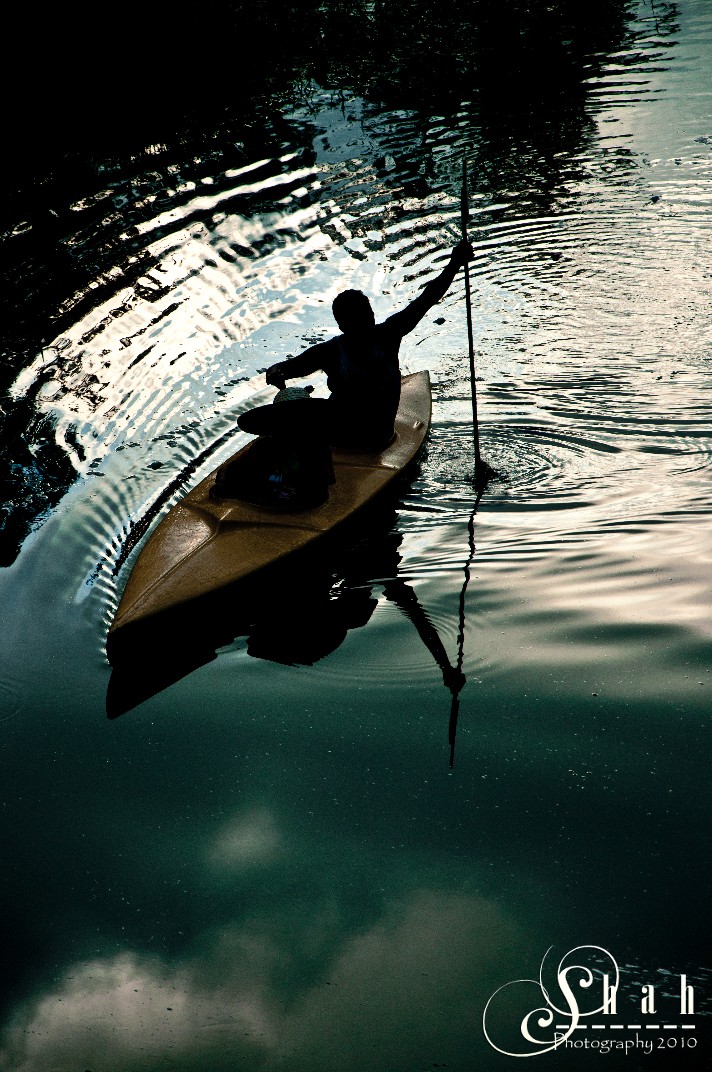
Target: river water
[271,862]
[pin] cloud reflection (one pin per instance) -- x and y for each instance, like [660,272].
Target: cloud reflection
[402,988]
[246,841]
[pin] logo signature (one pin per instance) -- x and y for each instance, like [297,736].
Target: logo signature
[585,1012]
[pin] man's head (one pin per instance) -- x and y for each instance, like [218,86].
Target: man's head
[353,313]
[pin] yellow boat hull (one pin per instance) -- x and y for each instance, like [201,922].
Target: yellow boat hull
[203,545]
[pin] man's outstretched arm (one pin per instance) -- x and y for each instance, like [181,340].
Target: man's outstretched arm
[310,360]
[437,288]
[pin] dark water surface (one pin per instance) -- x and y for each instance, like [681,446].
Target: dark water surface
[269,863]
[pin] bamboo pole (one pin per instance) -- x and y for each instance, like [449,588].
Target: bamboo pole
[465,215]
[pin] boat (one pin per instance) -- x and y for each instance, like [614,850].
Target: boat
[295,613]
[205,544]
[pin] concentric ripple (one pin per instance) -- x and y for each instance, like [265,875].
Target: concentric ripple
[590,299]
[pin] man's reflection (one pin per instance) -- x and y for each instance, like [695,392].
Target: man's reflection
[296,616]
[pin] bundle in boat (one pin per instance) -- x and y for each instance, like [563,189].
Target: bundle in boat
[210,540]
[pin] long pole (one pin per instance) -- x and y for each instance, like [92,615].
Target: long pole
[465,215]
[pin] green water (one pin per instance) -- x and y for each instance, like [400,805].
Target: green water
[267,866]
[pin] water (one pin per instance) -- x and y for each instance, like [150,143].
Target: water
[272,864]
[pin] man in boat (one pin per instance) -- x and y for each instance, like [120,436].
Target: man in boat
[290,467]
[361,364]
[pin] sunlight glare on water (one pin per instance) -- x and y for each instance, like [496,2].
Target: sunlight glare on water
[587,295]
[264,827]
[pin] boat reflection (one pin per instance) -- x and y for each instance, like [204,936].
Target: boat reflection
[295,614]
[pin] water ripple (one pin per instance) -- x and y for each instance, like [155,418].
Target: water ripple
[588,283]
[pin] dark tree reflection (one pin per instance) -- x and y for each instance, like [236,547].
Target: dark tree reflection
[219,96]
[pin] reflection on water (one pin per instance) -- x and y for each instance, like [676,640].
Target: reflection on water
[295,614]
[271,862]
[157,276]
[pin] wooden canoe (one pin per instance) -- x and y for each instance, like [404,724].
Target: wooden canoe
[203,545]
